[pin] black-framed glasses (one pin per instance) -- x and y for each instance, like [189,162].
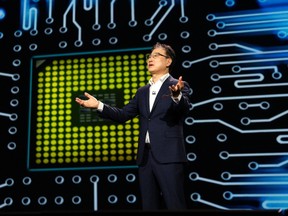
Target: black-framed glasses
[155,55]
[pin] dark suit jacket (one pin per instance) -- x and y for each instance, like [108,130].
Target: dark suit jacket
[164,122]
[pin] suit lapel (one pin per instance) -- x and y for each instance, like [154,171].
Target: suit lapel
[164,91]
[146,98]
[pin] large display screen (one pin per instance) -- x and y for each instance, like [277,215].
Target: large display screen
[63,134]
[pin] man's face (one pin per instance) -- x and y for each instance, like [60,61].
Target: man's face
[158,61]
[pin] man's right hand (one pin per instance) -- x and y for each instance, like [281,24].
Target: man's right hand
[91,102]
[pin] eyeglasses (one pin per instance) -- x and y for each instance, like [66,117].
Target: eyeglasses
[155,55]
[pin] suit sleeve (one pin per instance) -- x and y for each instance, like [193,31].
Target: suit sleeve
[120,115]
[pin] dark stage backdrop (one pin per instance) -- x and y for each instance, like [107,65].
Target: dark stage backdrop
[58,157]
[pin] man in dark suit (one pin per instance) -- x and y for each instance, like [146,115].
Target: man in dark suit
[161,106]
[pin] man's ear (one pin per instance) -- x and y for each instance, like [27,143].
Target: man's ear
[169,62]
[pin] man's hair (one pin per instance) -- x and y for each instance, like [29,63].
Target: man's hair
[169,52]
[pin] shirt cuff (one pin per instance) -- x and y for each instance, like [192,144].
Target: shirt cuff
[100,106]
[177,99]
